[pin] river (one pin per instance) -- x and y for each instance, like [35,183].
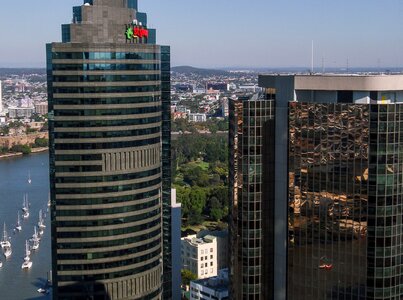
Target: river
[15,283]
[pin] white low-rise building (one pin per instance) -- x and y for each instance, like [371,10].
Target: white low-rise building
[199,255]
[215,288]
[197,117]
[222,246]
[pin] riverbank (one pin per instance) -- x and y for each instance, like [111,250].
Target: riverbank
[17,154]
[10,155]
[39,149]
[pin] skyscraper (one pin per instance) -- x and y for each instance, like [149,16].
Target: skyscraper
[331,190]
[248,119]
[109,93]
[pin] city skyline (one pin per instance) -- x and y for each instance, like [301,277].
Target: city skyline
[271,34]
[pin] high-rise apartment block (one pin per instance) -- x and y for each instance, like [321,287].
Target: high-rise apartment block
[316,188]
[109,123]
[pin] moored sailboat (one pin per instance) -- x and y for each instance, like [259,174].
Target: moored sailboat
[18,226]
[41,224]
[27,264]
[25,207]
[5,242]
[7,251]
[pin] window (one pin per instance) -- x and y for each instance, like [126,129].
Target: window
[211,264]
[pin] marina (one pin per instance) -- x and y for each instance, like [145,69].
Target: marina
[25,272]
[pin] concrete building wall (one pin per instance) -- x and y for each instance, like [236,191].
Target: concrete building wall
[199,256]
[176,247]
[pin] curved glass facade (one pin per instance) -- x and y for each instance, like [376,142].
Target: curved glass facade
[106,174]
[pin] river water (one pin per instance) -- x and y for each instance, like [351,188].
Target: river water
[15,283]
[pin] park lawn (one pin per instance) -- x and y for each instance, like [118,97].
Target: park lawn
[202,164]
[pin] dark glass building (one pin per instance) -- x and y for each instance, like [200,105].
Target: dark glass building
[109,123]
[249,116]
[331,194]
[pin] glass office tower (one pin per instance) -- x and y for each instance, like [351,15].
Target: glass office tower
[249,118]
[331,196]
[109,89]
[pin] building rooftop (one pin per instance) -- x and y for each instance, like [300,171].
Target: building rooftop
[218,283]
[334,82]
[192,239]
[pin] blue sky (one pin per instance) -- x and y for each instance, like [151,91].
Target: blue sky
[221,33]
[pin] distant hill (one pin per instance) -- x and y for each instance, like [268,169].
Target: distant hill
[193,70]
[22,71]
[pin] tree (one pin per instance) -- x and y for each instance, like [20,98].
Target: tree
[25,149]
[4,130]
[216,209]
[187,276]
[193,201]
[40,142]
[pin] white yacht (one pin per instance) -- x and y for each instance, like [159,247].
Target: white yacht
[35,244]
[27,251]
[18,226]
[5,242]
[35,238]
[29,178]
[7,251]
[41,224]
[27,264]
[25,207]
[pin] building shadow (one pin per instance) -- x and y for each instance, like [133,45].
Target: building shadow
[79,291]
[83,291]
[42,283]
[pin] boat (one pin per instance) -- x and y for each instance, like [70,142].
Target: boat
[18,226]
[29,178]
[49,200]
[7,251]
[1,264]
[43,291]
[25,207]
[27,251]
[49,278]
[35,240]
[5,241]
[27,264]
[35,245]
[41,225]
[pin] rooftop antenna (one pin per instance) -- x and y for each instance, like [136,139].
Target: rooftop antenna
[323,65]
[312,58]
